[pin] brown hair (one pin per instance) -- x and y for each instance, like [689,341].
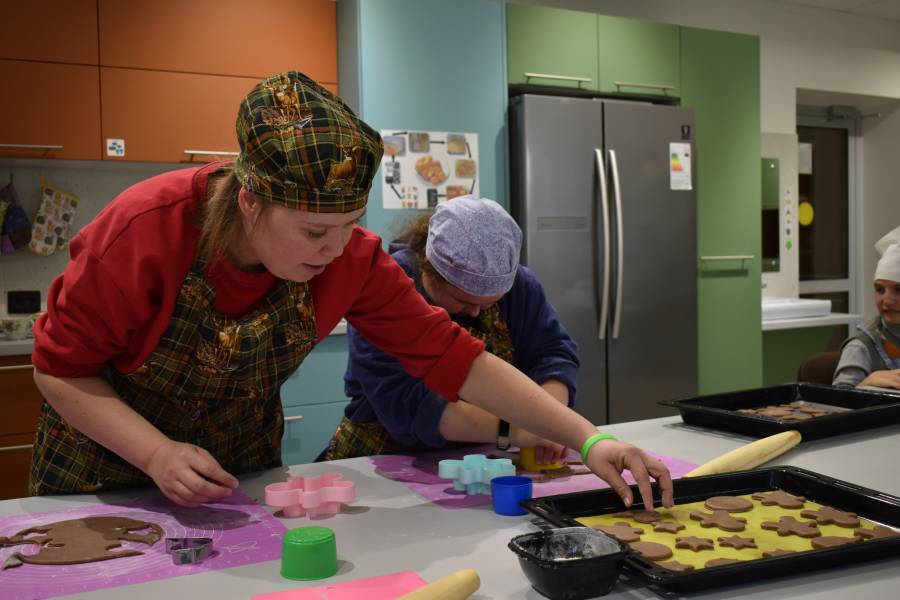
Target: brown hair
[415,234]
[220,216]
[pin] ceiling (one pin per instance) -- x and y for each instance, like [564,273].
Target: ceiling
[877,9]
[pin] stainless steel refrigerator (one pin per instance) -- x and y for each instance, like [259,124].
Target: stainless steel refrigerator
[604,191]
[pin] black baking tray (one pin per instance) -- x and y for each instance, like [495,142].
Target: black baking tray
[880,508]
[868,409]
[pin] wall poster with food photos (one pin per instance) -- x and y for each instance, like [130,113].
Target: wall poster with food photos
[422,168]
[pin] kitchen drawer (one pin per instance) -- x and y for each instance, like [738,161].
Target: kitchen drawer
[15,461]
[50,110]
[308,429]
[21,403]
[320,378]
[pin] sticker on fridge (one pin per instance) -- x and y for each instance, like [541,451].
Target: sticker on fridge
[680,166]
[422,168]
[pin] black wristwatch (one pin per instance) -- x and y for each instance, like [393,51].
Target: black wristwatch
[503,435]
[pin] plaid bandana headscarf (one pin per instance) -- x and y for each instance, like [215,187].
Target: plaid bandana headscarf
[302,147]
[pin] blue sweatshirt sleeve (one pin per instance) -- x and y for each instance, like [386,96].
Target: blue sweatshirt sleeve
[544,350]
[380,389]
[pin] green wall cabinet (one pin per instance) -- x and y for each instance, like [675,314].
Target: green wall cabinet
[643,54]
[554,42]
[609,51]
[720,81]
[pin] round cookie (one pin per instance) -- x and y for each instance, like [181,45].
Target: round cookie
[641,516]
[737,542]
[721,562]
[652,550]
[674,565]
[621,531]
[827,515]
[880,531]
[728,504]
[780,498]
[667,527]
[719,519]
[791,526]
[774,411]
[831,541]
[694,543]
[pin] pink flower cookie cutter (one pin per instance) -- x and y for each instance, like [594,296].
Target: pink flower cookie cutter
[313,496]
[474,472]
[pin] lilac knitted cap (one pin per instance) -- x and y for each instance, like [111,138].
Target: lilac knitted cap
[474,244]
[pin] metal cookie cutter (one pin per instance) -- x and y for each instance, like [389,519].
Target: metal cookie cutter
[189,551]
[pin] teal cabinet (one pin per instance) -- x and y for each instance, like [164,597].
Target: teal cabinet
[720,81]
[585,50]
[560,45]
[307,430]
[638,57]
[313,400]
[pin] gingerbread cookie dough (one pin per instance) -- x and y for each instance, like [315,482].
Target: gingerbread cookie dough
[76,541]
[721,562]
[780,498]
[621,531]
[674,565]
[827,515]
[880,531]
[737,542]
[652,550]
[641,516]
[791,526]
[728,504]
[719,519]
[694,543]
[777,552]
[667,527]
[830,541]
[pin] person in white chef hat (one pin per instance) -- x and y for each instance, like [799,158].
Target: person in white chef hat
[871,358]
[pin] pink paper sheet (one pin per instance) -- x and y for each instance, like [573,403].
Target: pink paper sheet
[419,474]
[384,587]
[243,533]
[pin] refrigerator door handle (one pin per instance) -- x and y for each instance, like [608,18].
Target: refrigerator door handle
[620,243]
[600,182]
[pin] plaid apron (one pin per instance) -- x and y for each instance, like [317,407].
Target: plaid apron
[212,381]
[368,439]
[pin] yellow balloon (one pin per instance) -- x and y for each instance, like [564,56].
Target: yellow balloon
[806,214]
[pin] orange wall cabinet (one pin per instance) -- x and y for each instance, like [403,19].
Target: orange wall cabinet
[50,104]
[161,114]
[223,37]
[21,407]
[49,30]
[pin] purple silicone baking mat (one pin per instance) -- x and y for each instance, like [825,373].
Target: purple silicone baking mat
[243,533]
[420,474]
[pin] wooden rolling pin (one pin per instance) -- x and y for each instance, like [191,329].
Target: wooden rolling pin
[750,455]
[455,586]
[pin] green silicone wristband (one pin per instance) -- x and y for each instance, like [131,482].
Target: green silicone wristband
[589,443]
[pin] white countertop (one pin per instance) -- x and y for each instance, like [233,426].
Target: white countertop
[388,528]
[801,322]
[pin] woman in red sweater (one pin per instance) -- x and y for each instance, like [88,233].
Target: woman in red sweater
[194,295]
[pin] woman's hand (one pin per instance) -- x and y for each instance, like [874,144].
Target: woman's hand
[545,451]
[188,475]
[608,458]
[883,379]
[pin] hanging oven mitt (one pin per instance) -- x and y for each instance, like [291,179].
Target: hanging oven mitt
[53,222]
[16,230]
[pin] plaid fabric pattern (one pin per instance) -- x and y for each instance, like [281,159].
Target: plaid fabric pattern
[212,381]
[368,439]
[302,147]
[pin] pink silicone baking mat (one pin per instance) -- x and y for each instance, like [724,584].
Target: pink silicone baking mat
[243,533]
[420,474]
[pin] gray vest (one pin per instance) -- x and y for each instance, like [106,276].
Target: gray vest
[874,335]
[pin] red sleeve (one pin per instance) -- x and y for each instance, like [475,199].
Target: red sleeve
[380,300]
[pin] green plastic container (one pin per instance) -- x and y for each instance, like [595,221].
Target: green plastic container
[308,553]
